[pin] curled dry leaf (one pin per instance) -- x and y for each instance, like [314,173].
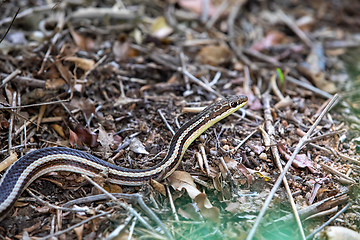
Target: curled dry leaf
[158,186]
[180,180]
[300,161]
[81,135]
[83,63]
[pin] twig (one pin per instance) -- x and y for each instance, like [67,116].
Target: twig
[10,76]
[231,32]
[172,205]
[287,166]
[118,229]
[310,236]
[308,87]
[275,152]
[200,83]
[12,21]
[123,205]
[166,122]
[336,172]
[74,226]
[295,28]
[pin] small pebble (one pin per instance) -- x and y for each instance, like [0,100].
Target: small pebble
[263,156]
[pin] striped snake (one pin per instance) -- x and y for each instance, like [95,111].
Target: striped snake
[37,163]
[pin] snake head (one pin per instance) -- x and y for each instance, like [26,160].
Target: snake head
[226,106]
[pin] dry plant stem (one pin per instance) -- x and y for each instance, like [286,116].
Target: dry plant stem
[231,32]
[74,226]
[142,204]
[310,236]
[8,161]
[166,122]
[172,205]
[131,229]
[12,21]
[333,171]
[19,146]
[25,81]
[335,153]
[308,87]
[275,87]
[294,28]
[186,78]
[204,157]
[27,12]
[10,76]
[314,208]
[275,152]
[60,26]
[287,166]
[200,83]
[53,206]
[243,141]
[323,213]
[94,67]
[125,206]
[247,80]
[219,12]
[11,124]
[115,233]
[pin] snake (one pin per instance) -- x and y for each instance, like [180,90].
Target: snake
[42,161]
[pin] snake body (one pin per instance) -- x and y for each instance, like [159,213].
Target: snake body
[39,162]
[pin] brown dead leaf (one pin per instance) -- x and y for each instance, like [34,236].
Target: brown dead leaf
[235,165]
[84,43]
[300,161]
[180,180]
[84,104]
[81,135]
[206,209]
[83,63]
[158,186]
[214,55]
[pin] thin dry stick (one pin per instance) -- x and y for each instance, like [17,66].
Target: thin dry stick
[74,226]
[172,205]
[10,76]
[310,236]
[275,152]
[199,82]
[287,166]
[166,122]
[123,205]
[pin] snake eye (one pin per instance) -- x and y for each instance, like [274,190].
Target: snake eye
[233,104]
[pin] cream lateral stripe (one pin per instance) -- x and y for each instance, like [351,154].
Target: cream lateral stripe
[37,163]
[18,184]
